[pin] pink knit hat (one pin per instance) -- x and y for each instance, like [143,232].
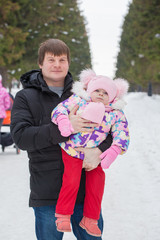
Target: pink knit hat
[114,88]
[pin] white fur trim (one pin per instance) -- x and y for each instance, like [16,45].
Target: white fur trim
[80,91]
[122,86]
[119,104]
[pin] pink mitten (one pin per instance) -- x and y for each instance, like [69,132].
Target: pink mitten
[94,112]
[64,125]
[109,156]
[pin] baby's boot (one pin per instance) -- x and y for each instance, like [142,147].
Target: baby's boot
[63,222]
[91,226]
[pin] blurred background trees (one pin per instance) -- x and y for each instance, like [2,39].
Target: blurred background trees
[139,57]
[12,38]
[24,24]
[27,23]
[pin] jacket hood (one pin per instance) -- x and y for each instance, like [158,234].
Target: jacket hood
[32,79]
[35,79]
[118,103]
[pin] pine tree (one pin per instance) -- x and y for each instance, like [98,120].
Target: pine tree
[12,38]
[139,56]
[52,19]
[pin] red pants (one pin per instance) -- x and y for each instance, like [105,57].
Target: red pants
[94,188]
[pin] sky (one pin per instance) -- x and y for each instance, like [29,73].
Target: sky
[131,201]
[105,19]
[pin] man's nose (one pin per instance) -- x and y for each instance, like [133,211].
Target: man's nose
[56,63]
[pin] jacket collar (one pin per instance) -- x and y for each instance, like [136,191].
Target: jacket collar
[34,79]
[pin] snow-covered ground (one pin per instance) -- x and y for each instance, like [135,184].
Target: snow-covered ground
[131,203]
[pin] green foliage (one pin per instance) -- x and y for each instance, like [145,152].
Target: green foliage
[41,20]
[12,38]
[139,56]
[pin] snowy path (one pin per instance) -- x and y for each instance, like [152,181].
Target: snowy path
[132,207]
[131,203]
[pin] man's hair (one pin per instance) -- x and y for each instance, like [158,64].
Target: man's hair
[55,46]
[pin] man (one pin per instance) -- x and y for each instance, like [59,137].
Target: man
[33,131]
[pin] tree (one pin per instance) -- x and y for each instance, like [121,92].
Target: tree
[51,19]
[12,38]
[139,56]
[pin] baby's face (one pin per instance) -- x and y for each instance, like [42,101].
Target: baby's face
[100,95]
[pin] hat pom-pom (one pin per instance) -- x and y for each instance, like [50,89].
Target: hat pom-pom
[86,75]
[122,86]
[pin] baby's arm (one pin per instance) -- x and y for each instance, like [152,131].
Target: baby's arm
[120,134]
[64,125]
[109,156]
[60,114]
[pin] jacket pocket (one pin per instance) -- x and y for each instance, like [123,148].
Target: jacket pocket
[45,181]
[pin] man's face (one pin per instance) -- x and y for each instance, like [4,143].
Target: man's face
[54,69]
[100,95]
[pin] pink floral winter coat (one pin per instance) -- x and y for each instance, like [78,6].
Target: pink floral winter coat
[114,121]
[4,101]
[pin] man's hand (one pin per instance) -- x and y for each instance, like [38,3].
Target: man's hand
[91,157]
[80,124]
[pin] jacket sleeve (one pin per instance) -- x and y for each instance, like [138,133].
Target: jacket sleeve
[120,131]
[106,143]
[25,133]
[64,107]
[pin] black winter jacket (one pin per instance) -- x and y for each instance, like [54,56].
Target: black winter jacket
[33,131]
